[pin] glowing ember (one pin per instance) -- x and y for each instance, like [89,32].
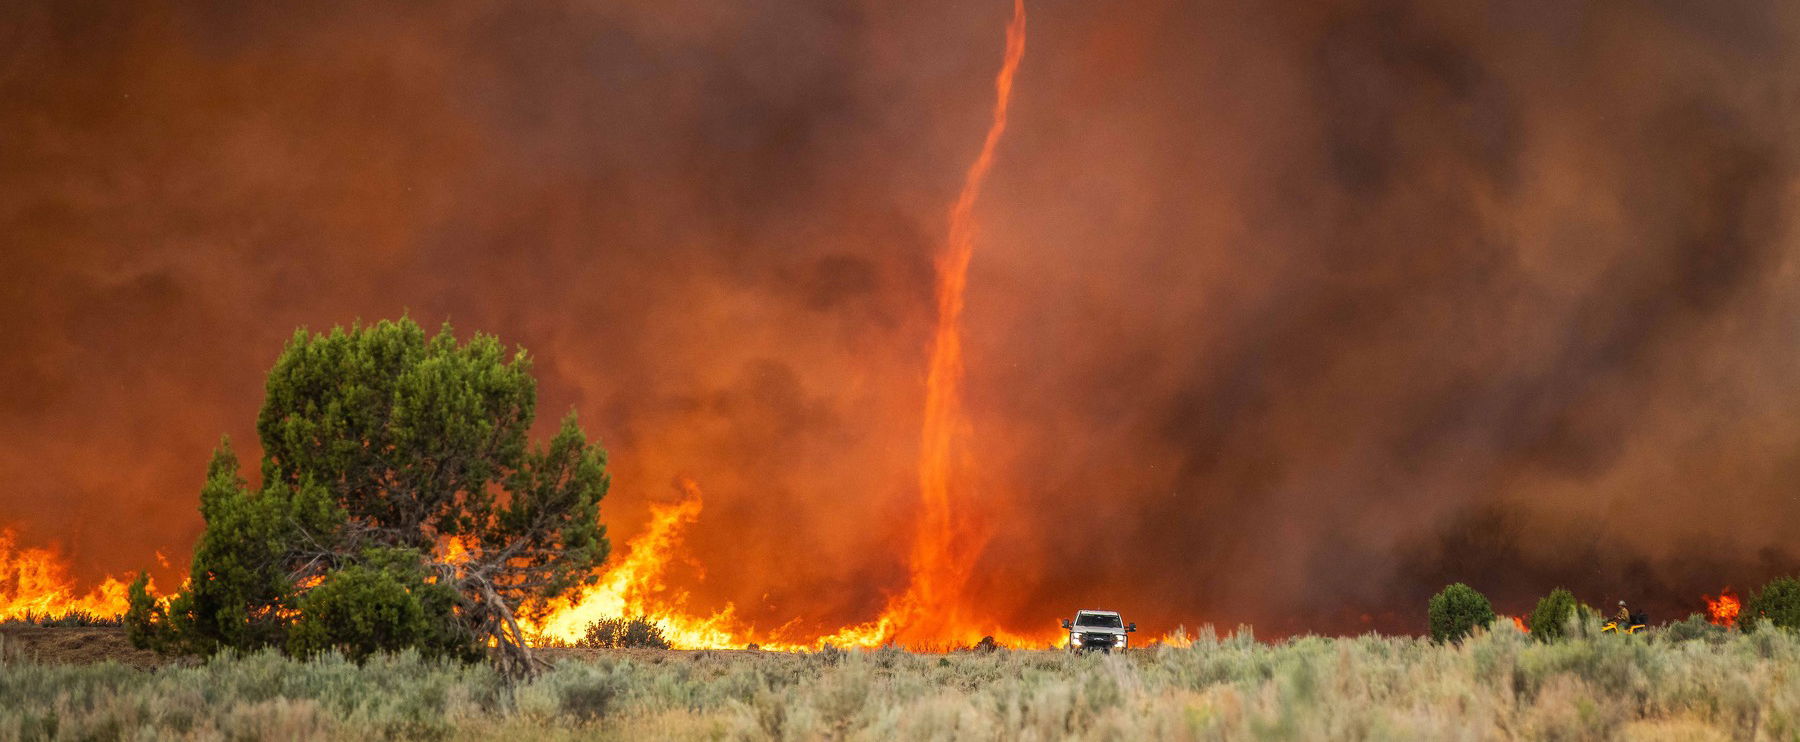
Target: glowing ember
[35,581]
[1723,610]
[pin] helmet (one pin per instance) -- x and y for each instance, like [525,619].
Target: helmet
[1621,602]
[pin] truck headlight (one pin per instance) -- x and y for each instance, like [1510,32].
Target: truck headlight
[1119,641]
[1074,637]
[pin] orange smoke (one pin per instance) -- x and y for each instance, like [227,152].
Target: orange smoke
[36,582]
[1723,610]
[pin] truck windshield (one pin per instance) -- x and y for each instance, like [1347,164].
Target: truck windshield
[1097,621]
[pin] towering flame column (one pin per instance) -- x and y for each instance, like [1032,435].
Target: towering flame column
[942,549]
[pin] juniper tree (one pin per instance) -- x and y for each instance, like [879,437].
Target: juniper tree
[1550,619]
[1777,605]
[392,463]
[1456,611]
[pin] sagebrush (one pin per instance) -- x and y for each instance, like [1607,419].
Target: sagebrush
[1495,684]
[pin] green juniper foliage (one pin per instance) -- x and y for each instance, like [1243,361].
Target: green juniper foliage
[386,603]
[1455,612]
[1777,604]
[380,445]
[1553,614]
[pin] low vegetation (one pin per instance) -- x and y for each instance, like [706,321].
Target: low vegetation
[623,633]
[63,620]
[1494,684]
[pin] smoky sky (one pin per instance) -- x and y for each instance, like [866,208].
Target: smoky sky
[1279,313]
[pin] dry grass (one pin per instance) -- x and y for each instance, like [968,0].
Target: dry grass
[78,645]
[1495,686]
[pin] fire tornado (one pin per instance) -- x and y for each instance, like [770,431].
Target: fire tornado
[948,537]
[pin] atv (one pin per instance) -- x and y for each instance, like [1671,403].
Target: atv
[1098,631]
[1633,625]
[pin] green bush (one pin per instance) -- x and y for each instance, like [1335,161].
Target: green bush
[1455,612]
[1777,604]
[383,606]
[623,633]
[1553,614]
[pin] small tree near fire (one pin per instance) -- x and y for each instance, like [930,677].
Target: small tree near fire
[400,506]
[1777,605]
[1455,612]
[1551,618]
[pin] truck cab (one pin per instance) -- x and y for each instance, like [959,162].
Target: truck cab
[1101,631]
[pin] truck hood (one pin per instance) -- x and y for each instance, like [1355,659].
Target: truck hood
[1095,630]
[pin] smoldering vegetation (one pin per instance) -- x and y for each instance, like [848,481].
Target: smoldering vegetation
[1286,315]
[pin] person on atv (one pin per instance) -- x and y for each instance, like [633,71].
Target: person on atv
[1623,617]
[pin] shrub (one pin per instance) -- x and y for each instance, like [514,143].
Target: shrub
[1695,627]
[587,692]
[1551,618]
[384,605]
[1777,604]
[1455,612]
[623,633]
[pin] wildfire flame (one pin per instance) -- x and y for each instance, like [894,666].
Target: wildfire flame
[1519,623]
[35,581]
[1723,610]
[634,586]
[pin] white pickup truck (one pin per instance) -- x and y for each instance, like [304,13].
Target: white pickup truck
[1101,631]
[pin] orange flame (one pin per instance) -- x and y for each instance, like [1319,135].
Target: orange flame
[1723,610]
[634,587]
[1519,623]
[36,582]
[1178,638]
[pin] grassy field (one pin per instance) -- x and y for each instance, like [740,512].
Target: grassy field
[1496,686]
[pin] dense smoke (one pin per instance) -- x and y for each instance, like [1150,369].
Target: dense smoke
[1286,314]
